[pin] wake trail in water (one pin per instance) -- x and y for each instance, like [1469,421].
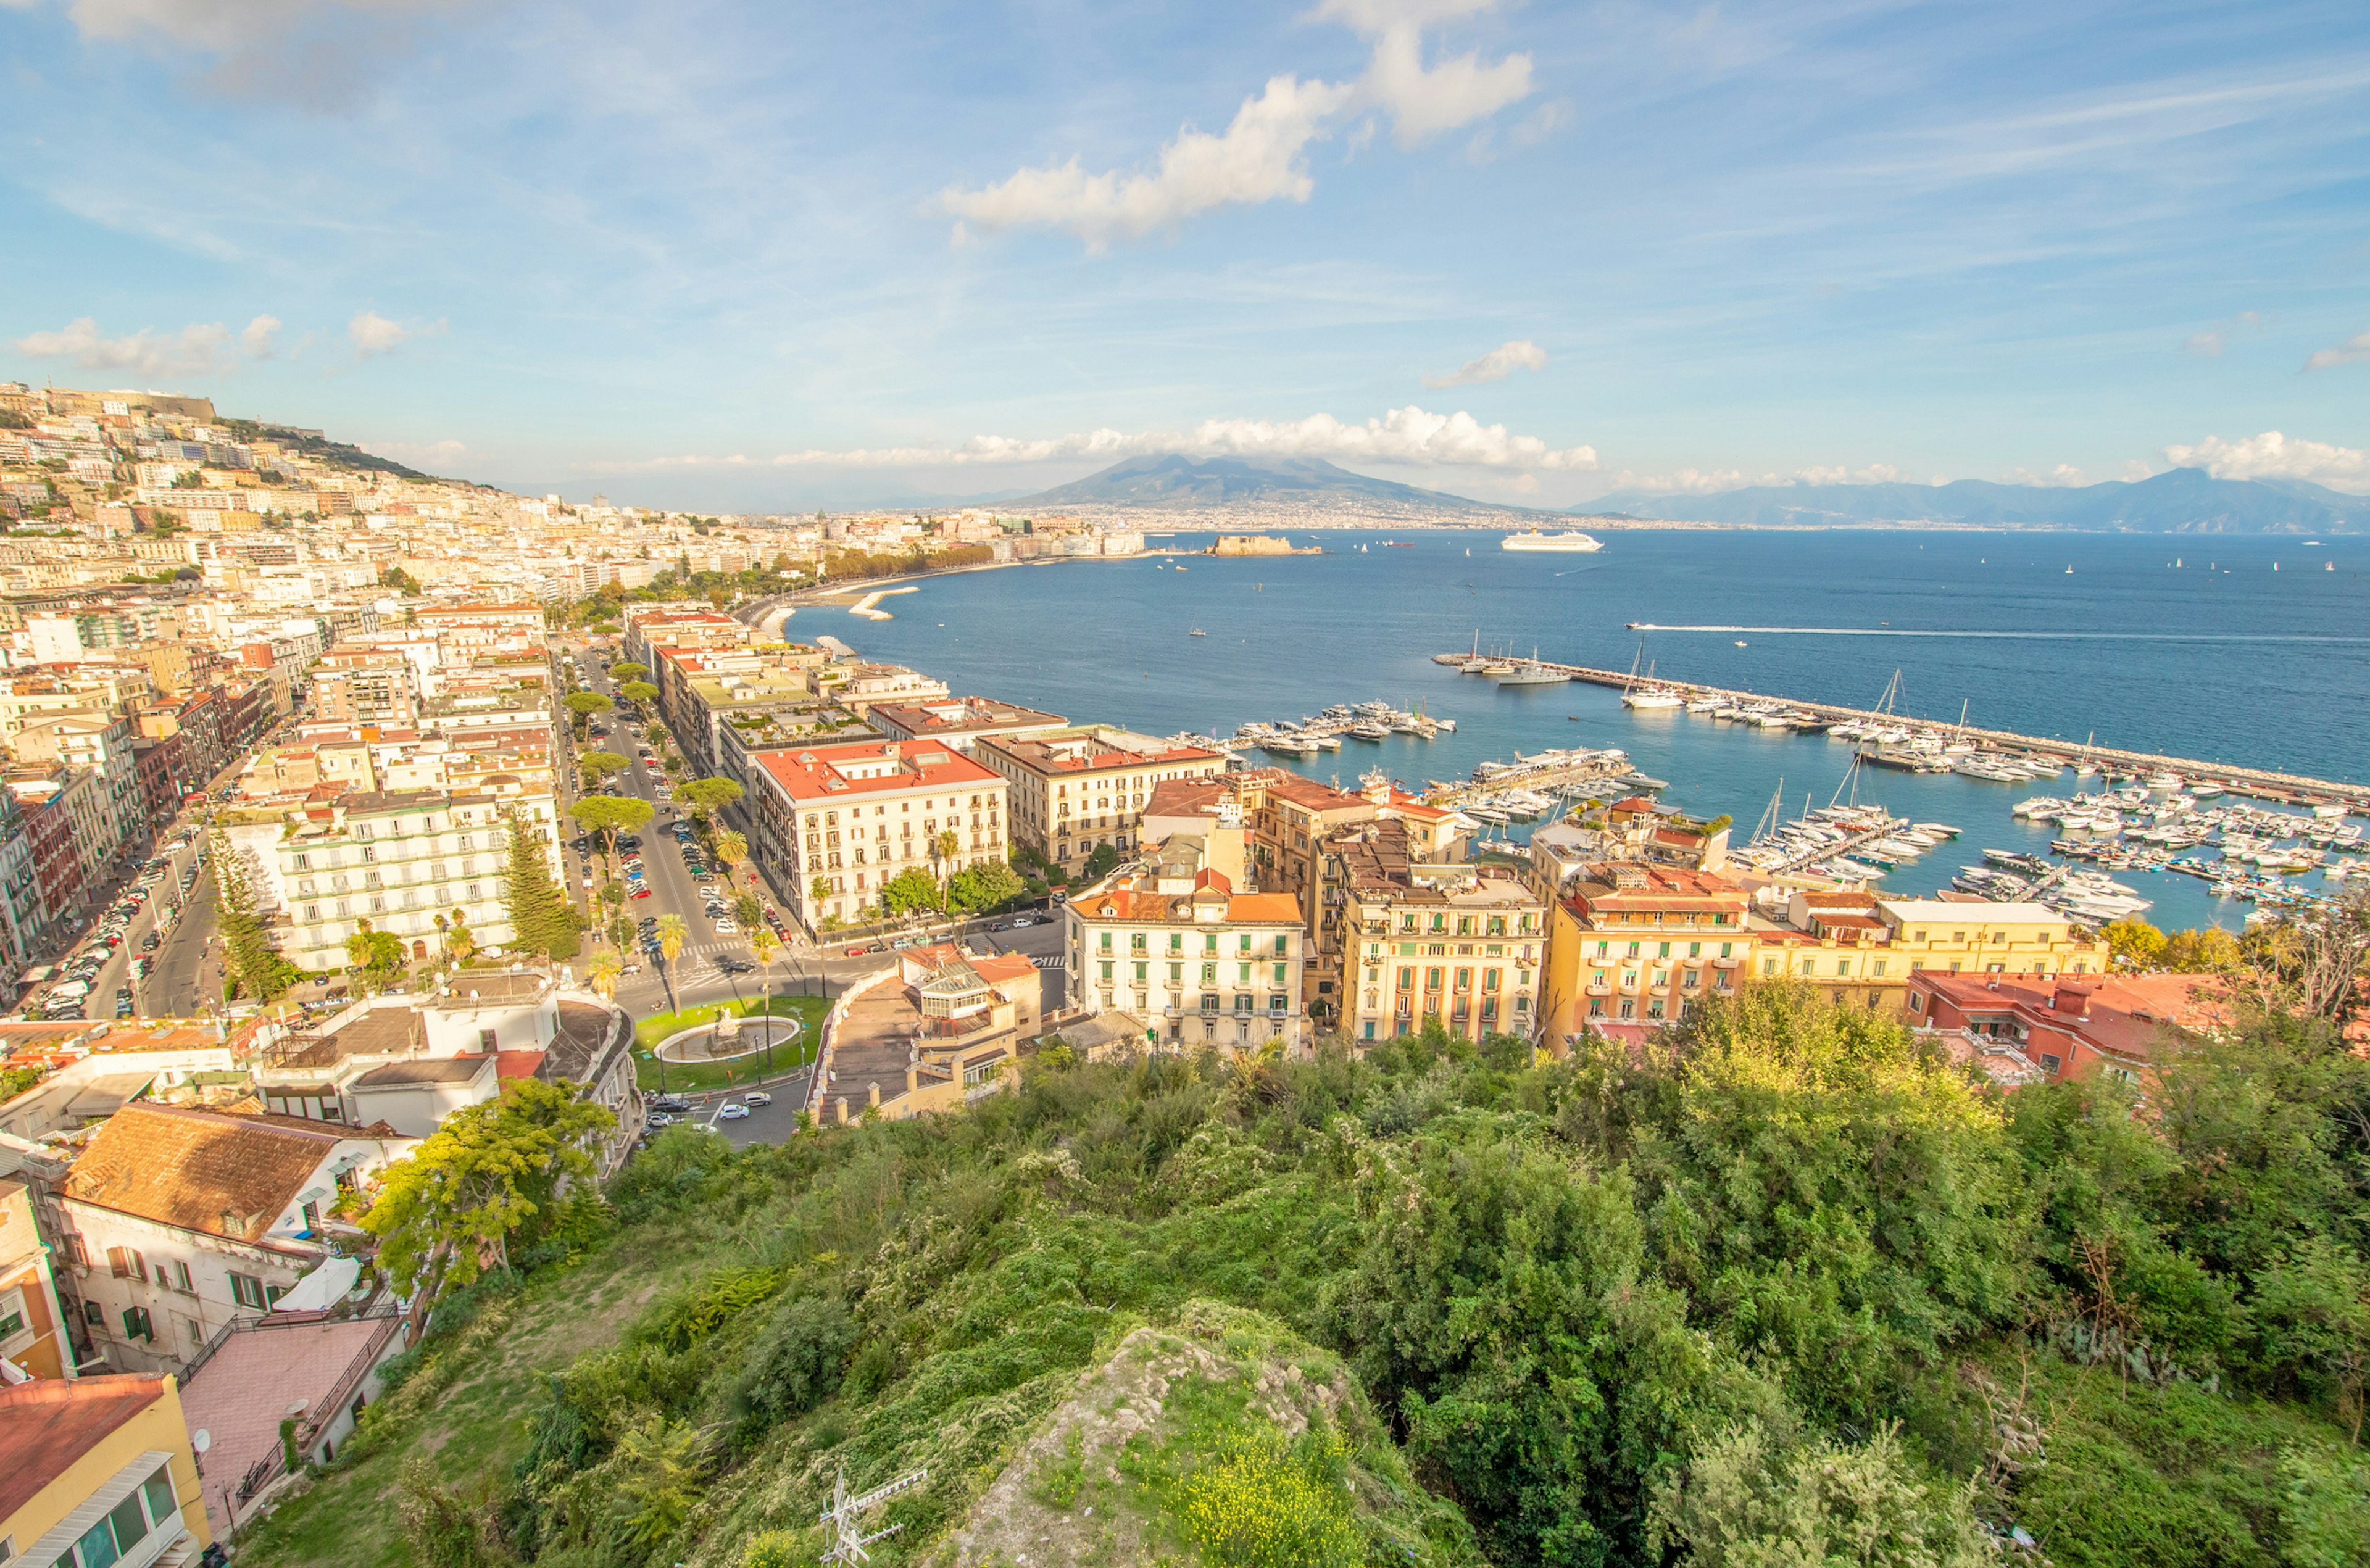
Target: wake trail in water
[2008,636]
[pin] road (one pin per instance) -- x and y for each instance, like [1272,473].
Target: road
[802,967]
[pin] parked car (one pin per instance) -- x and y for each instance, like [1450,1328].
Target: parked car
[1019,921]
[658,1118]
[726,928]
[640,891]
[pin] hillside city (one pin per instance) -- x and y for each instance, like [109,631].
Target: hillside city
[422,904]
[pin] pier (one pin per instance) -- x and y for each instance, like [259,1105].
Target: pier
[2289,789]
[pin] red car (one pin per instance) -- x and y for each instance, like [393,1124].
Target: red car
[858,952]
[641,892]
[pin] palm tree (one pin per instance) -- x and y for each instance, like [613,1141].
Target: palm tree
[732,849]
[766,947]
[672,931]
[943,849]
[604,971]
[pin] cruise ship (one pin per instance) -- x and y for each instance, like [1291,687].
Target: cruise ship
[1574,540]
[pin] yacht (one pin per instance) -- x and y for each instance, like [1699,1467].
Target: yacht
[1653,697]
[1574,542]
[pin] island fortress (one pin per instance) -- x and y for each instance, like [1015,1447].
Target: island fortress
[1259,545]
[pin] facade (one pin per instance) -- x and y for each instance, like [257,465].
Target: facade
[1168,941]
[1985,938]
[402,860]
[180,1219]
[363,688]
[101,1475]
[1461,946]
[839,822]
[1637,943]
[34,1339]
[1077,790]
[959,721]
[2039,1027]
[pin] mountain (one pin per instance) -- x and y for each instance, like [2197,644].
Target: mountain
[1186,484]
[2183,500]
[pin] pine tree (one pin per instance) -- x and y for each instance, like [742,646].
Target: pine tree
[541,919]
[251,962]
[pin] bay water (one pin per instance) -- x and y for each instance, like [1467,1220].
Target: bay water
[2234,650]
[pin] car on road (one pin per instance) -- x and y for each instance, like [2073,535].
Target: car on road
[668,1103]
[735,966]
[1019,921]
[731,1112]
[123,1002]
[756,1097]
[658,1118]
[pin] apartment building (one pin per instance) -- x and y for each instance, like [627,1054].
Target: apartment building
[363,688]
[961,721]
[840,822]
[179,1219]
[1413,943]
[34,1339]
[1631,943]
[101,1471]
[861,687]
[1977,937]
[1077,790]
[403,860]
[1169,942]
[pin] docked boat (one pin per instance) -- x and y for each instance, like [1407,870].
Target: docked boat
[1653,697]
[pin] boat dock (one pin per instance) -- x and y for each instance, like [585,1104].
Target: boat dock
[2265,783]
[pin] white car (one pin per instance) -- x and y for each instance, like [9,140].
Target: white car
[727,928]
[1019,921]
[756,1097]
[731,1113]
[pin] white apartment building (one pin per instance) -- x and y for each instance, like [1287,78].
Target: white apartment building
[838,822]
[1075,791]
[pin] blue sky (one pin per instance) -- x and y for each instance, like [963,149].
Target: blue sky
[773,256]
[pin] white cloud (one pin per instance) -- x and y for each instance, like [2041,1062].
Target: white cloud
[1257,159]
[2064,477]
[2354,349]
[2210,343]
[1408,436]
[201,348]
[319,53]
[1874,474]
[1683,481]
[374,334]
[1496,365]
[1424,101]
[2274,456]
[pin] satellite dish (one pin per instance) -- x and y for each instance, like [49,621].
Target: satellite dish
[201,1440]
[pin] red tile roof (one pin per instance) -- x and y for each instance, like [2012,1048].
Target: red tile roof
[813,775]
[51,1424]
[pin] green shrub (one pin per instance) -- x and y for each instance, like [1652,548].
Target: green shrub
[797,1362]
[1266,1505]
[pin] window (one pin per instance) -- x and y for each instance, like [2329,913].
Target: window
[486,1040]
[12,1315]
[248,1291]
[124,1263]
[136,1324]
[181,1280]
[157,1493]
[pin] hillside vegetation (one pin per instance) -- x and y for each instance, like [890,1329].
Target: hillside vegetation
[1786,1292]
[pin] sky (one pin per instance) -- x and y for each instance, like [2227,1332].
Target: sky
[766,258]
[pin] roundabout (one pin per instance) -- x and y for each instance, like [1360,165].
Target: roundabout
[727,1039]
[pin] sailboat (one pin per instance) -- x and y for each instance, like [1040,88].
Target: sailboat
[1636,696]
[1197,632]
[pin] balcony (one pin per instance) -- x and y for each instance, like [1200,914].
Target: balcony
[1599,988]
[1735,962]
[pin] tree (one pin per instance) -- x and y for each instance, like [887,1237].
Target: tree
[703,796]
[910,891]
[1746,1502]
[375,955]
[750,910]
[765,946]
[2205,950]
[604,970]
[2135,943]
[598,768]
[638,692]
[460,941]
[251,962]
[541,919]
[985,886]
[2313,1314]
[403,582]
[584,705]
[1102,863]
[672,933]
[628,670]
[2312,961]
[606,817]
[732,850]
[944,847]
[490,1174]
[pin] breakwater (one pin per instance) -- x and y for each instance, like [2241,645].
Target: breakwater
[2266,784]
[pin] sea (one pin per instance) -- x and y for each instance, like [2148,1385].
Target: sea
[2234,649]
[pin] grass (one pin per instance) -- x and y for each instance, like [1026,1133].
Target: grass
[809,1010]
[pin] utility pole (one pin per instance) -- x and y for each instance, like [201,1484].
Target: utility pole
[846,1518]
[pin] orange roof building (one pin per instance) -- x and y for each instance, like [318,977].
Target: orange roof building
[845,820]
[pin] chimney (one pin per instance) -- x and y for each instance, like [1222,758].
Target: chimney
[2073,998]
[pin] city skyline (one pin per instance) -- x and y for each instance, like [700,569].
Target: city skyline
[1507,252]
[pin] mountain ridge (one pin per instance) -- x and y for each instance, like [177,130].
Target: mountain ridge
[1178,483]
[2181,500]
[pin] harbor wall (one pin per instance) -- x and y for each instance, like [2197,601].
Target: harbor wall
[2265,783]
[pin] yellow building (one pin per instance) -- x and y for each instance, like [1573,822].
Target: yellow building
[1991,939]
[100,1475]
[32,1324]
[1632,943]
